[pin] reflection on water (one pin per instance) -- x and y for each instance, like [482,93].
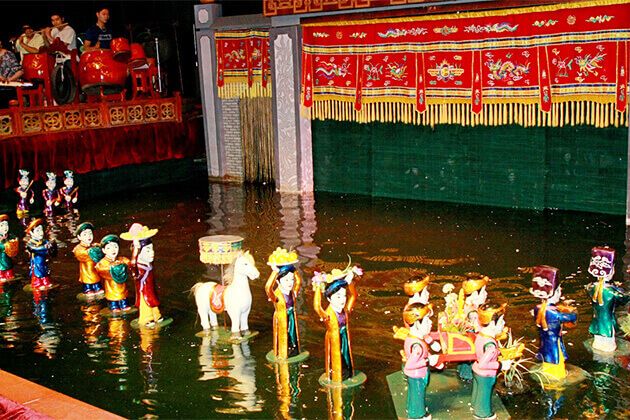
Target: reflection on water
[116,353]
[171,373]
[48,341]
[340,403]
[149,344]
[234,362]
[93,331]
[288,389]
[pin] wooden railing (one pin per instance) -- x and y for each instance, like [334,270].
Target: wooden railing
[26,121]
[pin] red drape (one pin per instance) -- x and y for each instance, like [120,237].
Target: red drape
[11,410]
[94,150]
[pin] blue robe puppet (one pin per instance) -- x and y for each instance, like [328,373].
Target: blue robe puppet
[40,251]
[550,318]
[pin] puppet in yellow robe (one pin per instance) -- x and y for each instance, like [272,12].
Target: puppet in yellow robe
[341,293]
[286,338]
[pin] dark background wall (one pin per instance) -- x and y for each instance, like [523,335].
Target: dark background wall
[131,19]
[572,168]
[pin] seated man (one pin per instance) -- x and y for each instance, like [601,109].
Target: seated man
[10,71]
[29,42]
[98,35]
[63,31]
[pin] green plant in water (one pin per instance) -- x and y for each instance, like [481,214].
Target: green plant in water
[513,349]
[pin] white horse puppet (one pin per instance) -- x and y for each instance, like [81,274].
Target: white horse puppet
[236,298]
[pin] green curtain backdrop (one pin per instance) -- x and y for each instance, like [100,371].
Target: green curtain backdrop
[573,168]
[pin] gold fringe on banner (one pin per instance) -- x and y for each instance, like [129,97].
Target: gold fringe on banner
[561,114]
[241,90]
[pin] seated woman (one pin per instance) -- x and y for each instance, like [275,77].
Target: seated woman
[10,71]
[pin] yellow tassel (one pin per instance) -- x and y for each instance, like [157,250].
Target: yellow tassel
[511,110]
[596,109]
[597,114]
[498,115]
[463,110]
[490,115]
[509,116]
[612,113]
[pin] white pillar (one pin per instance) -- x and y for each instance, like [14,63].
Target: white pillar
[205,15]
[292,132]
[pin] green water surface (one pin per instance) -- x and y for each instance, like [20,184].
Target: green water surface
[174,374]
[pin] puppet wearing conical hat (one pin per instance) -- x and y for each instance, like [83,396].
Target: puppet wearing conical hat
[486,365]
[550,318]
[605,297]
[142,258]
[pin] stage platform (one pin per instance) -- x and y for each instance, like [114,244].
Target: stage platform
[95,137]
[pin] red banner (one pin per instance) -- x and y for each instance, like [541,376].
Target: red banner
[243,63]
[525,60]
